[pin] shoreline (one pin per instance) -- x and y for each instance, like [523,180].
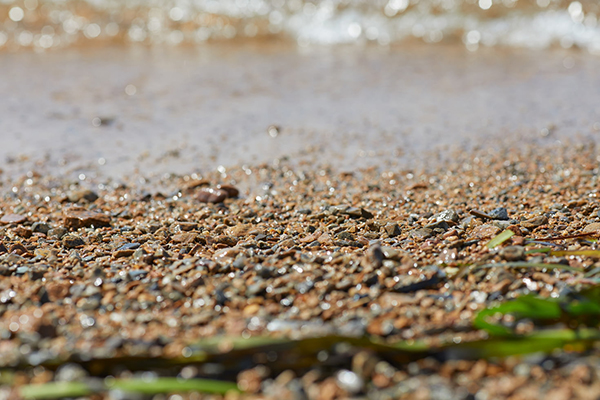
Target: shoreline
[197,109]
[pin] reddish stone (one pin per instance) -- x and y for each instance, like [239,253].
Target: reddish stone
[77,217]
[210,195]
[13,219]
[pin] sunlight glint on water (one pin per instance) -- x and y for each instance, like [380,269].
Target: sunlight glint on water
[42,24]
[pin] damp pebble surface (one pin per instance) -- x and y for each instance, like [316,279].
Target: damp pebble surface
[296,251]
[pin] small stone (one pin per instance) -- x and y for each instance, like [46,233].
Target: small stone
[40,227]
[534,222]
[75,196]
[251,309]
[77,217]
[12,219]
[513,253]
[485,231]
[72,241]
[210,195]
[344,235]
[499,213]
[230,190]
[23,232]
[392,229]
[593,227]
[184,237]
[57,233]
[439,225]
[449,216]
[129,246]
[421,233]
[123,253]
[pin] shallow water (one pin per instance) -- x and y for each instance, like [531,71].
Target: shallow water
[118,111]
[43,24]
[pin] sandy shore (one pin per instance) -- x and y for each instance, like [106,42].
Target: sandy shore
[191,110]
[381,242]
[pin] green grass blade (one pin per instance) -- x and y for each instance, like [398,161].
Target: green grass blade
[525,264]
[173,385]
[500,238]
[587,253]
[55,390]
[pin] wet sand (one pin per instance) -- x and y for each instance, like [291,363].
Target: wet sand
[197,108]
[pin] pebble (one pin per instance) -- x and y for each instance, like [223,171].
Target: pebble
[499,213]
[513,253]
[593,227]
[77,217]
[392,229]
[485,231]
[534,222]
[41,227]
[210,195]
[72,241]
[12,219]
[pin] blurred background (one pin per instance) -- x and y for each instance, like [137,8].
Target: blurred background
[143,87]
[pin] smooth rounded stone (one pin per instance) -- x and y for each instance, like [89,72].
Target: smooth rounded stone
[593,227]
[22,270]
[499,213]
[534,222]
[75,196]
[210,195]
[231,191]
[12,219]
[513,253]
[77,217]
[349,381]
[41,227]
[485,231]
[72,241]
[421,233]
[57,233]
[392,229]
[450,216]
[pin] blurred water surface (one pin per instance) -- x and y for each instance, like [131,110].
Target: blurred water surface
[42,24]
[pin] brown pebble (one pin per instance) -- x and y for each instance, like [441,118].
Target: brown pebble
[13,219]
[534,222]
[485,231]
[123,253]
[210,195]
[184,237]
[72,241]
[593,227]
[231,190]
[77,217]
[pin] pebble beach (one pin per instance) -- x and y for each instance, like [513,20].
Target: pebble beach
[272,199]
[125,281]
